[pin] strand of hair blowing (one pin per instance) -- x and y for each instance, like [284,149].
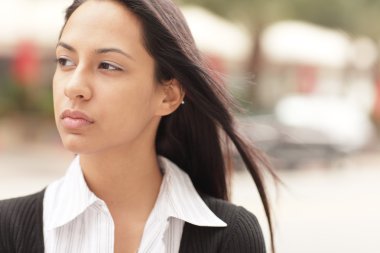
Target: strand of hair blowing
[191,136]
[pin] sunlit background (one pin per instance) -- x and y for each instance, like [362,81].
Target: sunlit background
[306,74]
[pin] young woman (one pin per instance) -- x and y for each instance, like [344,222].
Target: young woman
[134,100]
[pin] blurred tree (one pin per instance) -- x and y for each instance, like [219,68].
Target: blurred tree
[356,16]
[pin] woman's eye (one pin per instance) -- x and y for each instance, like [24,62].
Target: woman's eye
[108,66]
[65,62]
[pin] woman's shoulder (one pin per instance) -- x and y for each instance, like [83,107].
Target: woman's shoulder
[15,210]
[242,234]
[21,218]
[17,204]
[230,213]
[222,207]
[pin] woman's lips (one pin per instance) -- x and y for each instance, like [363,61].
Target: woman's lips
[75,119]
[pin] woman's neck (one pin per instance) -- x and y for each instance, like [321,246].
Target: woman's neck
[127,181]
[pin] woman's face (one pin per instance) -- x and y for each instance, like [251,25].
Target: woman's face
[105,94]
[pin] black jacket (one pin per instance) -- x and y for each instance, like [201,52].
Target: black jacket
[21,228]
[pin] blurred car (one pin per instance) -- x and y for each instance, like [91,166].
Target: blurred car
[307,129]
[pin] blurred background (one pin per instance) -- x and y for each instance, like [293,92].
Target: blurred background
[306,74]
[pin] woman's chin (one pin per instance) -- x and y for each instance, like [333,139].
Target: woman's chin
[77,145]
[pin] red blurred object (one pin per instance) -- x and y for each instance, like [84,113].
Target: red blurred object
[217,65]
[376,109]
[306,77]
[26,63]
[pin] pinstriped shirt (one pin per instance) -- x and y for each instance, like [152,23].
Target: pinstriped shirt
[76,220]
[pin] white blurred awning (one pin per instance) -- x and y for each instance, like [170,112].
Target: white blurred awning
[218,36]
[39,21]
[293,42]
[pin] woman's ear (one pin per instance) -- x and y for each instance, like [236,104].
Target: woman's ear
[173,96]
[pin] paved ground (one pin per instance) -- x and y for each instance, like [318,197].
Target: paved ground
[333,210]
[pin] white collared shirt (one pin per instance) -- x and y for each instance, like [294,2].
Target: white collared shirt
[76,220]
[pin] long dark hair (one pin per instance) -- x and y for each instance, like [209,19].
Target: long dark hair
[193,136]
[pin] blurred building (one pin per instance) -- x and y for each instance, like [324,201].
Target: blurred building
[304,58]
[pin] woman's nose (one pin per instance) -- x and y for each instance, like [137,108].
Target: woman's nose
[78,86]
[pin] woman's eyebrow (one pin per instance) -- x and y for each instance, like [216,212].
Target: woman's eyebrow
[65,45]
[114,50]
[98,51]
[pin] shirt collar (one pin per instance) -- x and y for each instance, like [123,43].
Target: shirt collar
[70,196]
[181,200]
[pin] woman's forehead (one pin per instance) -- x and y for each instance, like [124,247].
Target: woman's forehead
[103,23]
